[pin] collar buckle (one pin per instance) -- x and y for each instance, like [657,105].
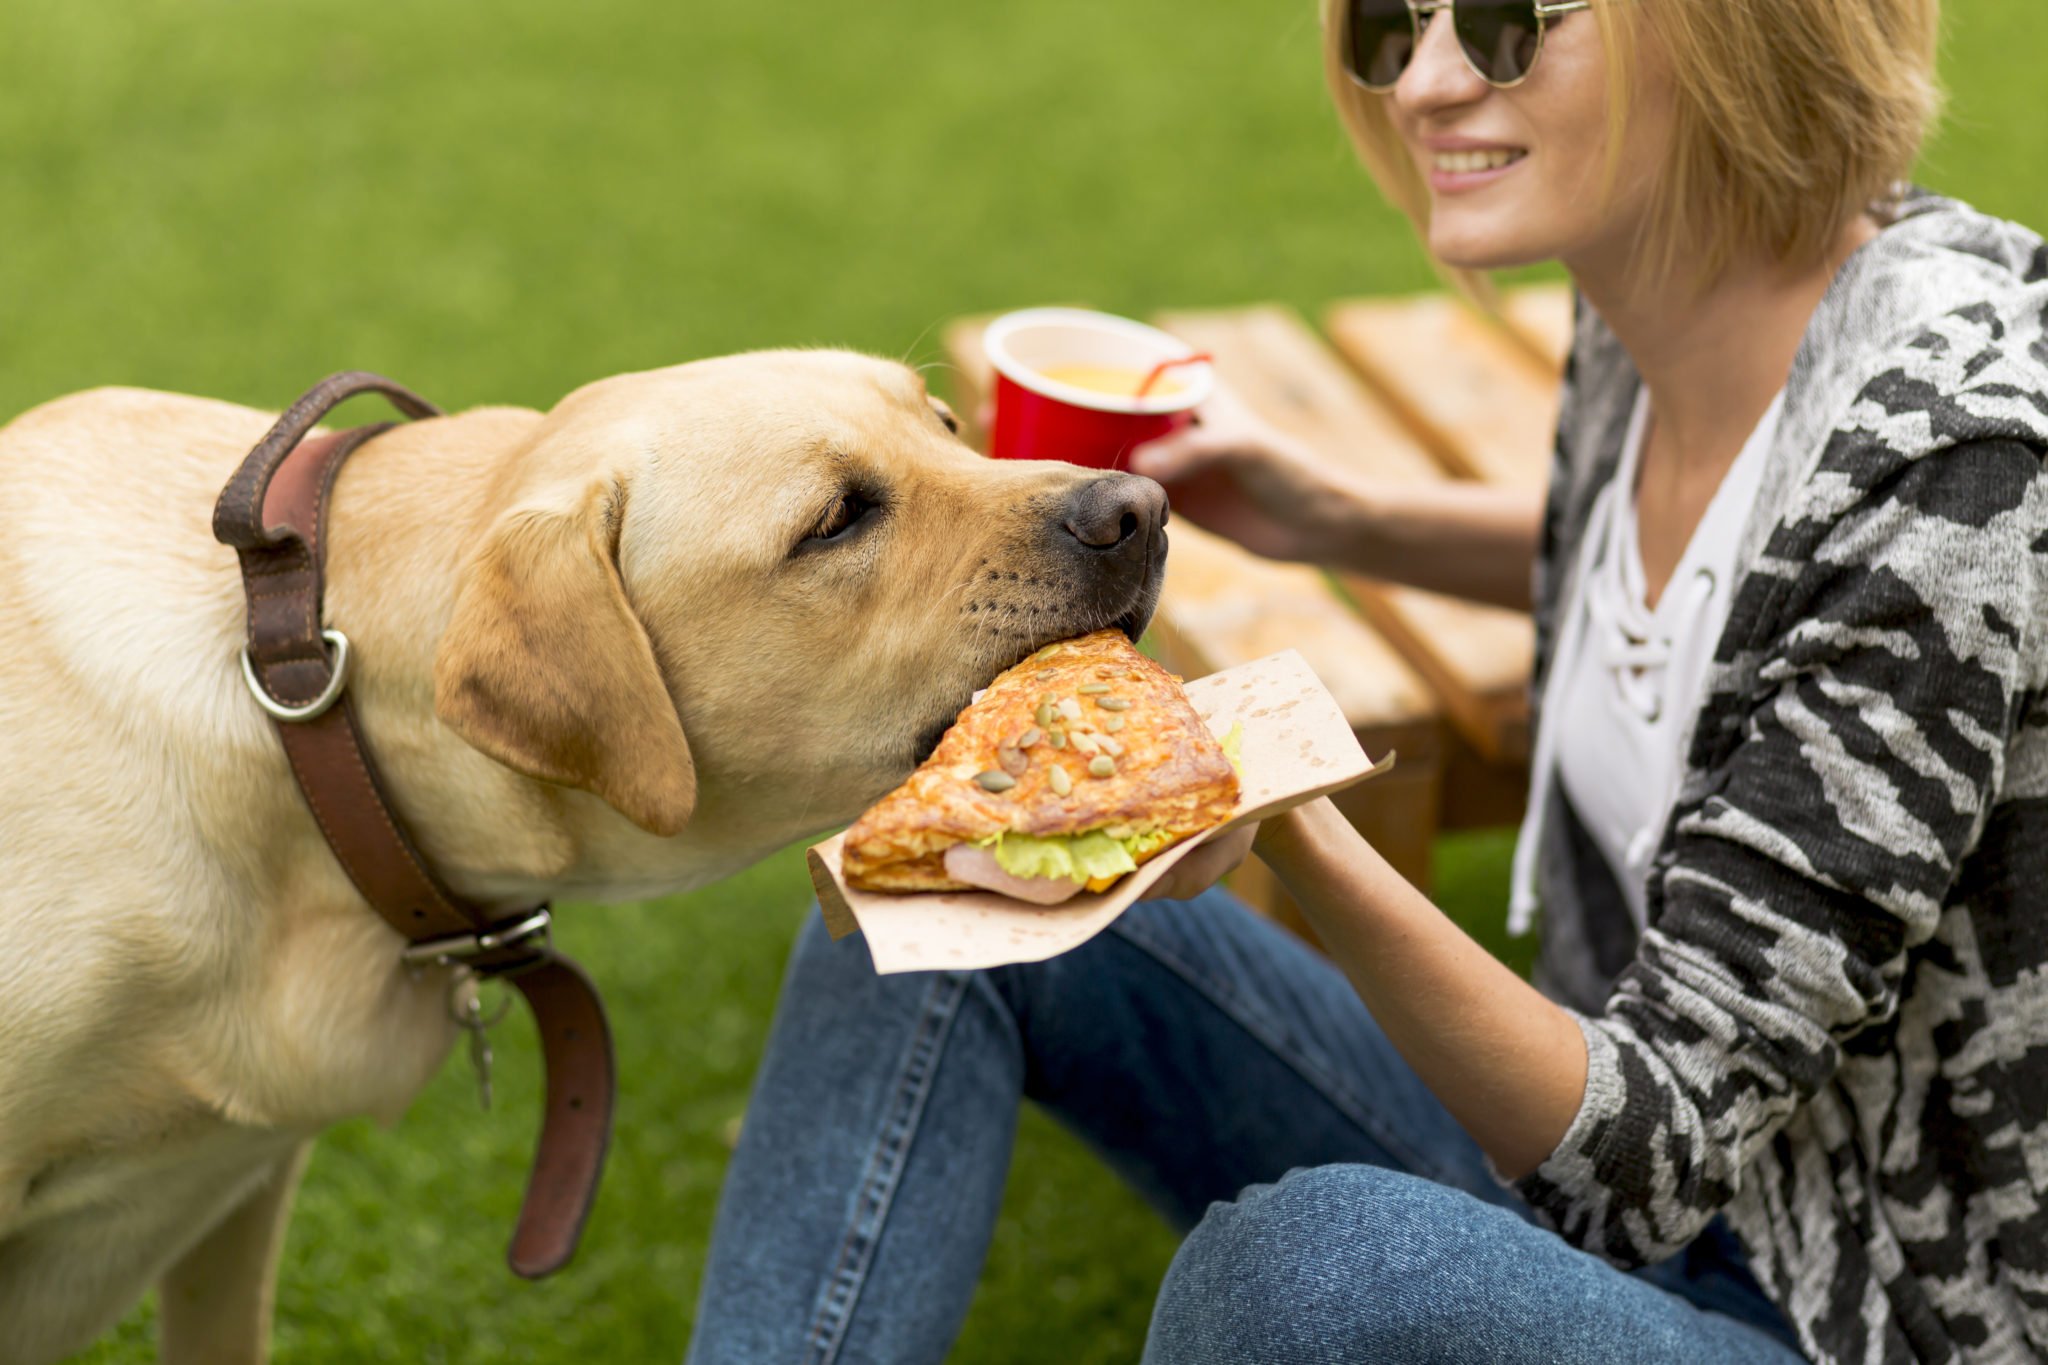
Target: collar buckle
[455,950]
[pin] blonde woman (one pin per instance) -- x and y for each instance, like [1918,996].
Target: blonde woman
[1783,1091]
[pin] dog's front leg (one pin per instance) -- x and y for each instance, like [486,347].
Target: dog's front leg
[214,1304]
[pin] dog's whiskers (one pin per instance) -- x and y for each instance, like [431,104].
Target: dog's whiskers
[911,349]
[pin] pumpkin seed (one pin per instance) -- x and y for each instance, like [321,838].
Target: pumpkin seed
[994,781]
[1070,708]
[1030,737]
[1113,703]
[1113,724]
[1102,765]
[1056,738]
[1092,689]
[1012,761]
[1044,713]
[1057,779]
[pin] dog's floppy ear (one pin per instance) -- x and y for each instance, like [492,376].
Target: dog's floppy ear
[545,667]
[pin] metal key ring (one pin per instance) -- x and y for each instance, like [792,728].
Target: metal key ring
[466,1004]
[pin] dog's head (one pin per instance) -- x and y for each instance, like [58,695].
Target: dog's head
[752,592]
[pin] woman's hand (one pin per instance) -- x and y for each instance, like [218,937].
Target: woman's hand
[1207,865]
[1236,475]
[1233,473]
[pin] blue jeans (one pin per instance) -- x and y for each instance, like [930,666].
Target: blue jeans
[1335,1212]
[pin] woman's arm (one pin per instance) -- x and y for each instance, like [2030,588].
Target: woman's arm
[1508,1064]
[1239,477]
[1470,540]
[1847,789]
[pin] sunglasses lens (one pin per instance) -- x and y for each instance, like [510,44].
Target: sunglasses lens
[1500,37]
[1379,41]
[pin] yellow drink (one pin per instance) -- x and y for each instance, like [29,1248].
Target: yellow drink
[1118,381]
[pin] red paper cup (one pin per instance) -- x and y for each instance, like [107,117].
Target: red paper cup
[1040,418]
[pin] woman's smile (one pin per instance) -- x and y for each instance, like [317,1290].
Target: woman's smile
[1456,165]
[1494,203]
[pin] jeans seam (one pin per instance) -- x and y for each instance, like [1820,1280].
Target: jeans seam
[884,1173]
[1251,1021]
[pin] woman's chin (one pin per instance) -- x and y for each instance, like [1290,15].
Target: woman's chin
[1482,249]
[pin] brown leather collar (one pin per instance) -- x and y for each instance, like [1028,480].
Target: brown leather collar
[273,512]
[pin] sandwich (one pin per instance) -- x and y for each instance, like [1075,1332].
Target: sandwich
[1069,771]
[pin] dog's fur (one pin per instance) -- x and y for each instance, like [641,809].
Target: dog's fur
[601,654]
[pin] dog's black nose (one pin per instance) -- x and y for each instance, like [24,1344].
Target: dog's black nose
[1116,510]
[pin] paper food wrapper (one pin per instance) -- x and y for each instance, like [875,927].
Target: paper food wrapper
[1296,746]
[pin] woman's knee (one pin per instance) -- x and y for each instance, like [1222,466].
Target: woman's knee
[1330,1263]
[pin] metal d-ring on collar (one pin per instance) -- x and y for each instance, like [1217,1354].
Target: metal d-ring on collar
[272,513]
[455,949]
[330,694]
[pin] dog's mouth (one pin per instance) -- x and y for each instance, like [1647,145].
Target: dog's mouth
[1132,621]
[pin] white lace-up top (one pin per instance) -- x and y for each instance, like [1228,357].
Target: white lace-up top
[1628,675]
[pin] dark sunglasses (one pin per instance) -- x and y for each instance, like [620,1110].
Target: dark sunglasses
[1501,39]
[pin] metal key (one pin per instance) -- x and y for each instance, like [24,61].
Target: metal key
[466,1005]
[480,1052]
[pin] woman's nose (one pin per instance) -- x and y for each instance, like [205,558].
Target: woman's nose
[1438,76]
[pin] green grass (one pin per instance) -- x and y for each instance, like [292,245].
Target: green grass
[495,202]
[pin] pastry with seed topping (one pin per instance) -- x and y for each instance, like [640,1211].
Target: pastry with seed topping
[1072,768]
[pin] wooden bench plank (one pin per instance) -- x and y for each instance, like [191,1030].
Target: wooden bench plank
[1479,793]
[1477,398]
[1476,658]
[1540,316]
[1270,358]
[1223,607]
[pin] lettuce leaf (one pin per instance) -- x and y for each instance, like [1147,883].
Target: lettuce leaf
[1071,857]
[1233,744]
[1138,845]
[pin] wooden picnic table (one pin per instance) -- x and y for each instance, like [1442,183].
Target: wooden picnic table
[1414,389]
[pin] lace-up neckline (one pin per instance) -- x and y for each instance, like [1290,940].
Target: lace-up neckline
[1629,677]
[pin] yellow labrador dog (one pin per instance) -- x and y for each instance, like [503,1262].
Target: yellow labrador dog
[618,649]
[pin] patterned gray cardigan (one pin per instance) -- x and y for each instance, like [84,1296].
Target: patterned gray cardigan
[1835,1028]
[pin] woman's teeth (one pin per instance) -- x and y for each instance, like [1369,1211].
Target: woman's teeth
[1468,163]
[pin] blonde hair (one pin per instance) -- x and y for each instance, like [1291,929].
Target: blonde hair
[1790,118]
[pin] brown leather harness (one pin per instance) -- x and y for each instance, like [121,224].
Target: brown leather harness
[274,513]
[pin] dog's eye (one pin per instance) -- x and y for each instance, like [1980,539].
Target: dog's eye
[946,415]
[842,516]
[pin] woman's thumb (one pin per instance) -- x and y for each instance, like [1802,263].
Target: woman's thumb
[1174,457]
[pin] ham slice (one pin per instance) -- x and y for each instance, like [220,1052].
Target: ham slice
[978,867]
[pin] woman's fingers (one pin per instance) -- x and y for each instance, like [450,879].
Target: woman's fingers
[1223,427]
[1177,457]
[1205,866]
